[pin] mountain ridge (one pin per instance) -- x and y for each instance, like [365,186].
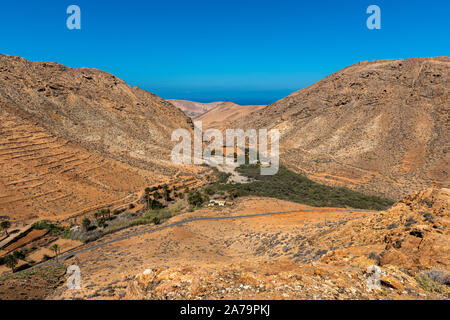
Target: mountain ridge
[378,127]
[76,140]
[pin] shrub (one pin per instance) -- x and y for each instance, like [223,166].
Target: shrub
[439,276]
[11,262]
[196,199]
[290,186]
[46,257]
[155,204]
[5,225]
[222,177]
[156,220]
[52,228]
[19,255]
[209,191]
[156,195]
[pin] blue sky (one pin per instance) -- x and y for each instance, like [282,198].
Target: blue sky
[249,52]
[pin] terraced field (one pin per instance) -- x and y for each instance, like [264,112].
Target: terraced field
[43,176]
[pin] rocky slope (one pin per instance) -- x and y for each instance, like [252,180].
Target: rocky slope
[72,140]
[299,255]
[194,109]
[222,116]
[409,243]
[91,107]
[379,127]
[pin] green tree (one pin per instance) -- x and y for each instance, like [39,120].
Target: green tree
[196,199]
[11,262]
[5,225]
[86,223]
[156,195]
[101,222]
[155,205]
[19,255]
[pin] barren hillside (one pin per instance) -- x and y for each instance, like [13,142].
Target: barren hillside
[380,127]
[194,109]
[74,139]
[223,115]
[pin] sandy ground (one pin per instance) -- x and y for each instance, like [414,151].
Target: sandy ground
[202,243]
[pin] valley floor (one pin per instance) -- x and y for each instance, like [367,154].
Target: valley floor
[313,253]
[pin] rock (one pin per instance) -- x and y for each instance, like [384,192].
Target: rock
[391,282]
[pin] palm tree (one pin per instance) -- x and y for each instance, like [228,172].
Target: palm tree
[106,213]
[5,225]
[147,198]
[86,223]
[166,194]
[55,249]
[101,222]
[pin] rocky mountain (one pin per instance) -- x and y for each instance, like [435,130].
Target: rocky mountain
[224,114]
[380,127]
[194,109]
[74,139]
[91,107]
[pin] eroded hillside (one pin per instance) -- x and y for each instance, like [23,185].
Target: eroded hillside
[379,127]
[222,116]
[92,107]
[76,140]
[194,109]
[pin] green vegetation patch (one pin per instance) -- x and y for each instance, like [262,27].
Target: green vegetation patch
[149,217]
[50,272]
[52,228]
[291,186]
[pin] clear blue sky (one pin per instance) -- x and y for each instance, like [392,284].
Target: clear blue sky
[250,52]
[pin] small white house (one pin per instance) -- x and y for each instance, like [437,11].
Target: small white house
[75,229]
[220,203]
